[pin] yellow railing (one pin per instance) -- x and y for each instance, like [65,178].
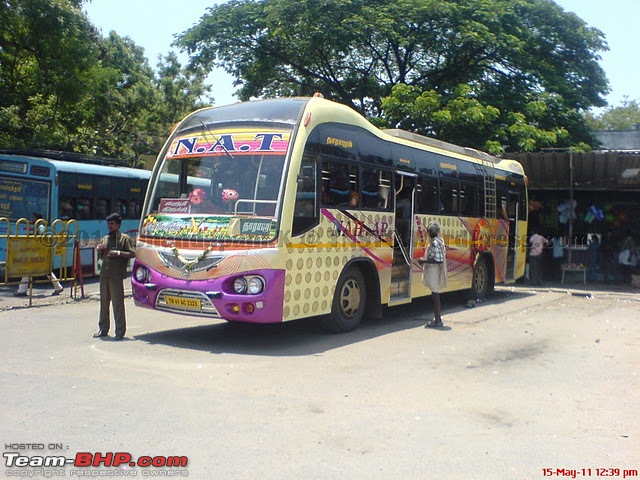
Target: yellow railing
[54,246]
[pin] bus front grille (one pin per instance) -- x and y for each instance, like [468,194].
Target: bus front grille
[185,302]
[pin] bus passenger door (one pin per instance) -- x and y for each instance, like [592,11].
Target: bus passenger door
[512,207]
[404,186]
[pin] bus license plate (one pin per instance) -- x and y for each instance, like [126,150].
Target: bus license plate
[190,303]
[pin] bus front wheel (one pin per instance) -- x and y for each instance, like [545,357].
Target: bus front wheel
[348,304]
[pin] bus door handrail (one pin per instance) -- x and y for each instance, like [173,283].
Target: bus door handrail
[402,248]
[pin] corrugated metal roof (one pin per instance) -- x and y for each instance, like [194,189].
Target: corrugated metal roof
[591,171]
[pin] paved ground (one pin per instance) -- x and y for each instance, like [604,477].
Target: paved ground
[41,294]
[531,379]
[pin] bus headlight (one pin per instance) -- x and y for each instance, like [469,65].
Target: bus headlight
[240,285]
[255,286]
[143,275]
[249,285]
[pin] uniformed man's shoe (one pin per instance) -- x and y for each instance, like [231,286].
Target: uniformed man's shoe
[99,334]
[434,324]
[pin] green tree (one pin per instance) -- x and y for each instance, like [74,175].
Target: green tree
[134,109]
[623,117]
[519,70]
[108,122]
[64,86]
[46,52]
[181,91]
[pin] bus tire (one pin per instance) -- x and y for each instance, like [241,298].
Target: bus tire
[481,282]
[349,302]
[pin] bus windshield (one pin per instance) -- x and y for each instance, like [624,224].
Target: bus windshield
[219,185]
[20,197]
[211,182]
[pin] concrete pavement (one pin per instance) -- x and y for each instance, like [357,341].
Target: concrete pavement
[41,294]
[527,381]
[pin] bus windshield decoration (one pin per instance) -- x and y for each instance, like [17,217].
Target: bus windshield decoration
[244,142]
[276,210]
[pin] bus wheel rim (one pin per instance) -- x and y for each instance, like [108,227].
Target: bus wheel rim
[350,298]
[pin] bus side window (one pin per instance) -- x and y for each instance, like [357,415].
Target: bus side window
[84,209]
[345,188]
[102,208]
[104,191]
[67,208]
[448,198]
[468,200]
[429,196]
[335,185]
[385,190]
[67,195]
[354,186]
[131,209]
[305,211]
[418,197]
[86,197]
[371,196]
[120,206]
[136,193]
[339,185]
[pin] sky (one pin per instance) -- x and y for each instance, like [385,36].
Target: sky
[152,25]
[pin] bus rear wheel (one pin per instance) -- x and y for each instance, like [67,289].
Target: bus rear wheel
[349,301]
[481,283]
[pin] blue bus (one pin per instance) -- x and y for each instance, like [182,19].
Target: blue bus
[65,186]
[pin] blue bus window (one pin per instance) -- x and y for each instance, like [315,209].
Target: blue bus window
[66,208]
[39,171]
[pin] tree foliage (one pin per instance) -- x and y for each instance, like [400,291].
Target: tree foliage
[63,86]
[46,52]
[491,74]
[623,117]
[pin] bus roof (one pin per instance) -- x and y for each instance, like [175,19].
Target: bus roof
[432,142]
[66,156]
[346,114]
[501,163]
[289,110]
[76,166]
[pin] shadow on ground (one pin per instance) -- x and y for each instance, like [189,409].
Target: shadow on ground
[306,337]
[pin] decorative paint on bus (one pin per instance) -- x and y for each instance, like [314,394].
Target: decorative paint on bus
[318,260]
[355,229]
[243,142]
[313,266]
[207,228]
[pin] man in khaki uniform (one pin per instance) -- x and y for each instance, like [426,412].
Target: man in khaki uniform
[115,250]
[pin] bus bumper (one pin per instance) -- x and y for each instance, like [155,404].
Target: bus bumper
[213,298]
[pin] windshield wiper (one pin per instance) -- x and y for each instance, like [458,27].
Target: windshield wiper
[209,132]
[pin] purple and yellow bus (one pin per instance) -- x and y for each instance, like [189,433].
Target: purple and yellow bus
[303,208]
